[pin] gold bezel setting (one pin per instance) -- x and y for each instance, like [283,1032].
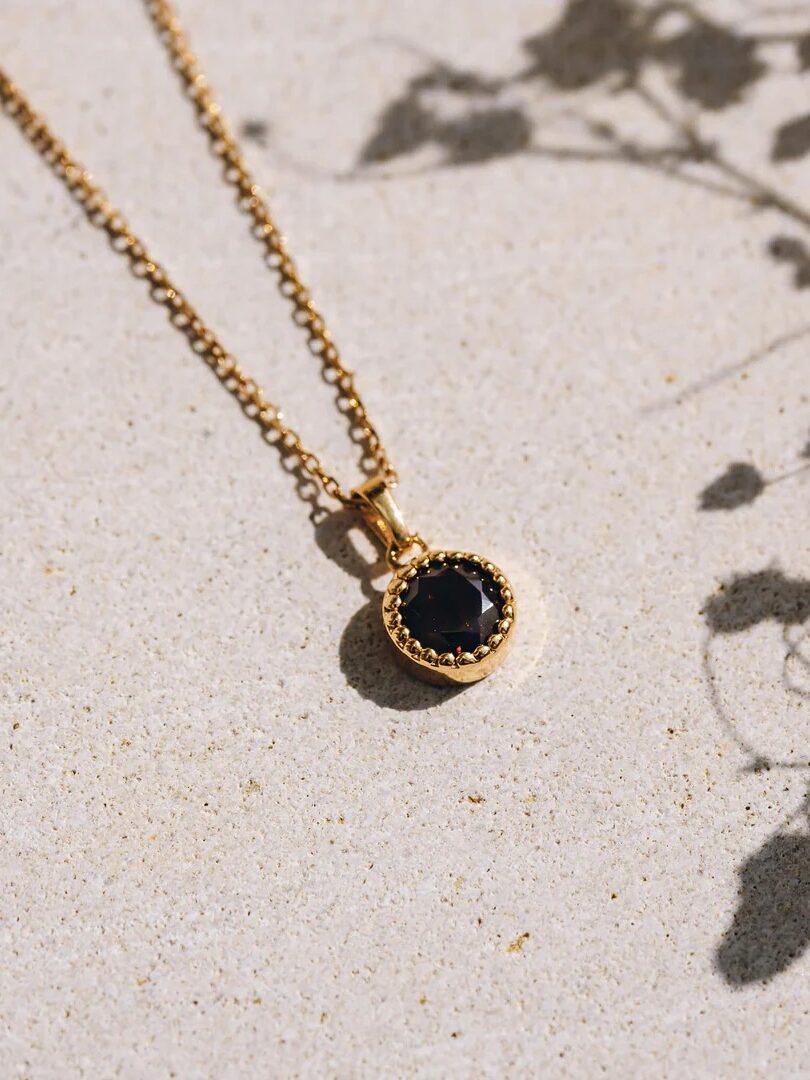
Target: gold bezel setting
[464,667]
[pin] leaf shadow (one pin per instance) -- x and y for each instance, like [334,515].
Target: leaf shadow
[770,927]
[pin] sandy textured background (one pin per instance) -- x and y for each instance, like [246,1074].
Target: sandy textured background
[565,249]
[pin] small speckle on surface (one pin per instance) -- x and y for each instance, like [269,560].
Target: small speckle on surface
[516,946]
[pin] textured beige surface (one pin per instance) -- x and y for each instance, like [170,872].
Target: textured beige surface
[231,845]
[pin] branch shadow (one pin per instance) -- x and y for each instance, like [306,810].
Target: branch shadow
[612,48]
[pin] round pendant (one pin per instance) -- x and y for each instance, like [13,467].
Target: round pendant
[450,615]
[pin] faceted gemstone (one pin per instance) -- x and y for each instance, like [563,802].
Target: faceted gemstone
[451,607]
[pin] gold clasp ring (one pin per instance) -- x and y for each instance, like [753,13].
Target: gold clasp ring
[384,518]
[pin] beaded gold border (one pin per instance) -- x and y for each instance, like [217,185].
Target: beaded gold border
[448,667]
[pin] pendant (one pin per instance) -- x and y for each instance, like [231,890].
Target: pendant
[449,614]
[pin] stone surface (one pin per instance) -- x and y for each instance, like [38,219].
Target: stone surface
[236,840]
[451,607]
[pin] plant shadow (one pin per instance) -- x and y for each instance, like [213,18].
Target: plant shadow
[770,928]
[680,66]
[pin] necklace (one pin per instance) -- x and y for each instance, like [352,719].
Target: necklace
[448,614]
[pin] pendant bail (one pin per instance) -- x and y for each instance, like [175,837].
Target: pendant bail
[383,517]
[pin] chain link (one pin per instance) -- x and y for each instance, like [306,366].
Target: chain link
[205,343]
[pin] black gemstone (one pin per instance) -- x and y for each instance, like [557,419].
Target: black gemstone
[451,606]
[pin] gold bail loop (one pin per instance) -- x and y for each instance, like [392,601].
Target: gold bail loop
[383,517]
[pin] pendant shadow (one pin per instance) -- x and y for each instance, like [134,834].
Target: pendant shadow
[367,658]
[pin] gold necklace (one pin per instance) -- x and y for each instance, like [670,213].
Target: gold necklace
[449,614]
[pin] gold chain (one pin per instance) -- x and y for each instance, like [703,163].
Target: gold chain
[203,340]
